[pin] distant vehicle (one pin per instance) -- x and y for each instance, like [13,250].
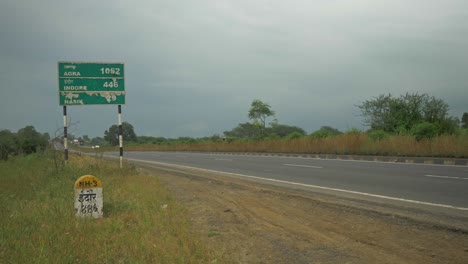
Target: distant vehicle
[97,146]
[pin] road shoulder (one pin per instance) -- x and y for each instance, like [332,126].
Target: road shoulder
[253,222]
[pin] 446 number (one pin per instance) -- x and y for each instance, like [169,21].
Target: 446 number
[111,84]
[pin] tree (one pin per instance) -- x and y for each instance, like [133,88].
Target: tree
[46,136]
[325,131]
[331,130]
[7,144]
[396,114]
[112,134]
[285,130]
[464,120]
[70,136]
[151,140]
[30,141]
[97,141]
[259,112]
[244,130]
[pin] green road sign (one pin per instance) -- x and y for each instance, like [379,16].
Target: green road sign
[91,98]
[90,69]
[88,83]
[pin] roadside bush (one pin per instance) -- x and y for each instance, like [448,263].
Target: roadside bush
[424,130]
[353,131]
[26,141]
[377,135]
[272,136]
[402,131]
[320,134]
[463,132]
[448,126]
[294,135]
[7,144]
[325,131]
[30,141]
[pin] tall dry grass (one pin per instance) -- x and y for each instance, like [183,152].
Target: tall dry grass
[345,144]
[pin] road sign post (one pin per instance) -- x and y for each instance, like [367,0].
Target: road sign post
[91,83]
[65,133]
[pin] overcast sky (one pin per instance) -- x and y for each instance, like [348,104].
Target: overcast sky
[193,67]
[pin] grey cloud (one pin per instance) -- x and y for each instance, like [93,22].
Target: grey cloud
[193,67]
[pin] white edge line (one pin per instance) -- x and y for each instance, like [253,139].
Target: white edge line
[305,166]
[446,177]
[224,159]
[306,185]
[350,160]
[347,160]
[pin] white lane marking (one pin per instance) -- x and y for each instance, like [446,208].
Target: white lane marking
[446,177]
[305,166]
[306,185]
[224,159]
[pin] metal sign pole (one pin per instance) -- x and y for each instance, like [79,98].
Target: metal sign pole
[120,134]
[65,133]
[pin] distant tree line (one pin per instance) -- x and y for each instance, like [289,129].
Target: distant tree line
[418,115]
[25,141]
[258,113]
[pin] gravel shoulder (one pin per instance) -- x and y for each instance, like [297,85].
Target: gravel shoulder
[253,222]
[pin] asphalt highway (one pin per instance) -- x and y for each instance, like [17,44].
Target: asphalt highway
[437,185]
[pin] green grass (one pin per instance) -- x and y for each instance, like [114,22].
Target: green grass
[38,225]
[213,232]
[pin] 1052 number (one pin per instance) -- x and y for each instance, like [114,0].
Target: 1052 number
[115,71]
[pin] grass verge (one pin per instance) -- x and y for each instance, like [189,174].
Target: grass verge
[142,223]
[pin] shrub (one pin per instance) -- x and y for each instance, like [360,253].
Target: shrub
[320,134]
[26,141]
[424,130]
[353,131]
[294,135]
[272,136]
[8,144]
[377,135]
[325,131]
[463,132]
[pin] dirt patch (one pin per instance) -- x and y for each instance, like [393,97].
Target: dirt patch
[248,222]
